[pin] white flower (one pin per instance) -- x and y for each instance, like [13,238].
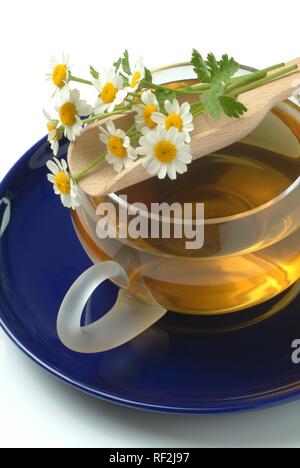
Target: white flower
[120,153]
[63,184]
[59,76]
[70,110]
[165,151]
[55,133]
[137,76]
[178,116]
[110,89]
[145,111]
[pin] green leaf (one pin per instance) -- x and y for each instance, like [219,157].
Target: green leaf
[200,67]
[232,107]
[212,65]
[212,104]
[148,75]
[125,63]
[117,64]
[94,73]
[227,68]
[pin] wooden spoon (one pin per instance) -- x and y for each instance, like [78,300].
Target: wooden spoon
[209,136]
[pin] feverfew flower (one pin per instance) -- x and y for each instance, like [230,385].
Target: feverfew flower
[137,76]
[165,152]
[120,153]
[70,110]
[178,116]
[145,111]
[59,76]
[63,184]
[111,92]
[55,133]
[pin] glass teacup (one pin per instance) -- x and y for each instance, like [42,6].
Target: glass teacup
[251,249]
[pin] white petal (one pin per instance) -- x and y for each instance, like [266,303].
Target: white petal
[188,137]
[185,108]
[187,118]
[47,116]
[74,95]
[65,93]
[171,171]
[64,165]
[162,172]
[153,136]
[132,154]
[111,107]
[83,108]
[55,147]
[173,135]
[51,178]
[127,162]
[158,118]
[118,165]
[179,138]
[181,168]
[146,161]
[118,81]
[100,107]
[184,157]
[154,167]
[66,200]
[53,167]
[69,133]
[110,158]
[110,127]
[144,150]
[97,84]
[104,138]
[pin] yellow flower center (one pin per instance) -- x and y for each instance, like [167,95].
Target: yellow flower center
[59,75]
[148,111]
[109,93]
[165,151]
[116,147]
[174,120]
[51,127]
[135,79]
[63,184]
[68,113]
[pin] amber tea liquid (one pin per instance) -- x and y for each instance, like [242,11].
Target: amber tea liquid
[241,178]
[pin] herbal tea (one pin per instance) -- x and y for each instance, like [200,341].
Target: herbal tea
[251,248]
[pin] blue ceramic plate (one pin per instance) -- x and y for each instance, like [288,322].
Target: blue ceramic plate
[182,364]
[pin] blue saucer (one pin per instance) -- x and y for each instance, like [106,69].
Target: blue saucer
[183,364]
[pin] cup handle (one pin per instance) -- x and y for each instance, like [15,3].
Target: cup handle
[127,319]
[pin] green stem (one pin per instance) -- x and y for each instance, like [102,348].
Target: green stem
[263,81]
[80,80]
[259,74]
[119,110]
[159,87]
[241,80]
[91,166]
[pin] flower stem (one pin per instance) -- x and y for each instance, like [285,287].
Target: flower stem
[263,81]
[80,80]
[82,173]
[159,87]
[259,74]
[119,110]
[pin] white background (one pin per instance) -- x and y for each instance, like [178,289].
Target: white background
[35,409]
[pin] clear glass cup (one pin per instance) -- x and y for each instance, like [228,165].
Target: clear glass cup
[247,258]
